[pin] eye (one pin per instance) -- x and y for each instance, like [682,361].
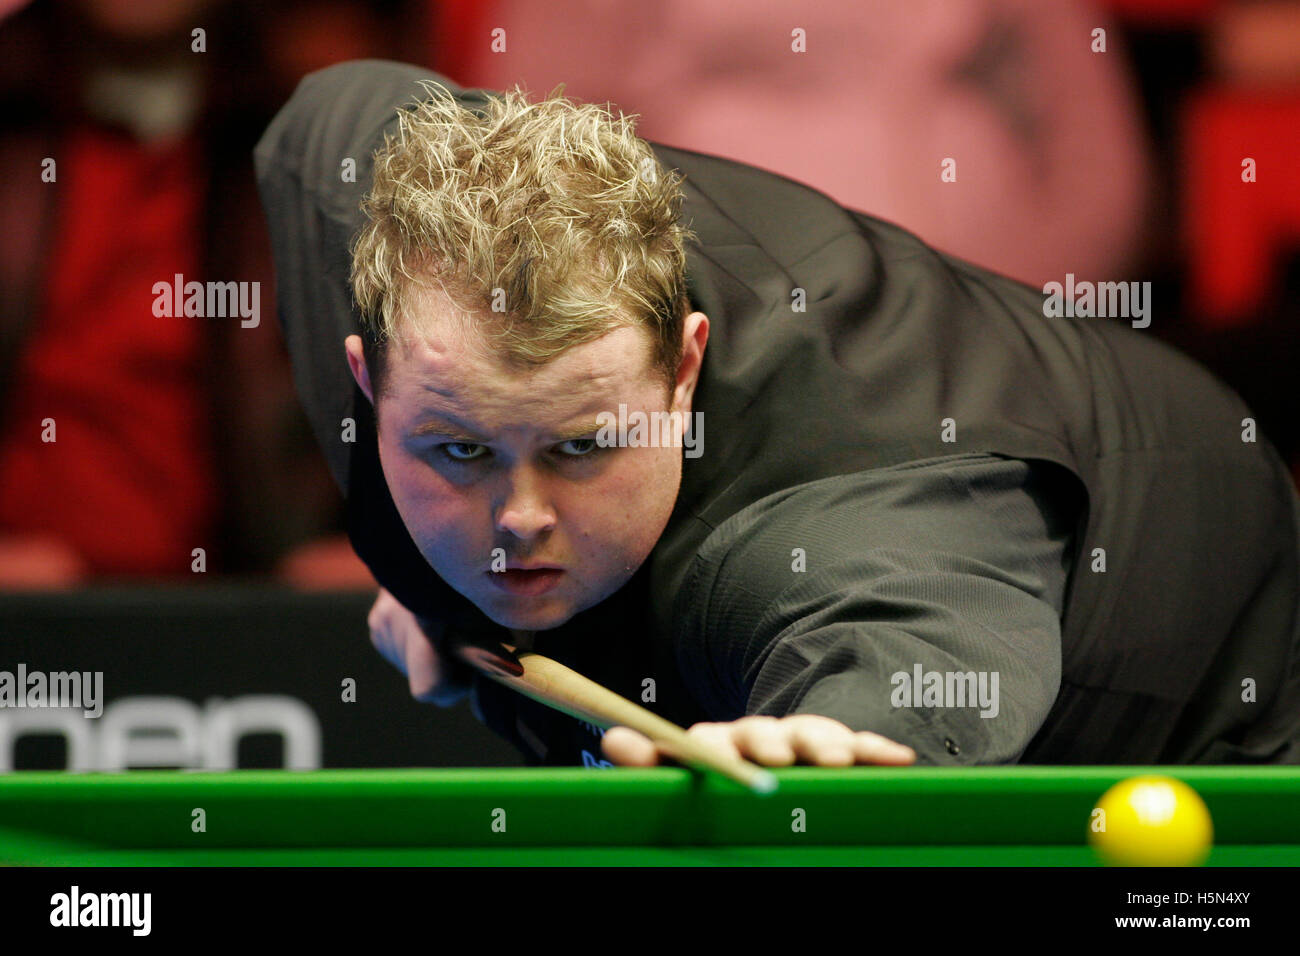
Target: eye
[578,447]
[462,450]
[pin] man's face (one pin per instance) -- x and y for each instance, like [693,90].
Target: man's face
[481,456]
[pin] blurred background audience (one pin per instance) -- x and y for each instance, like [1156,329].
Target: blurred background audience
[182,433]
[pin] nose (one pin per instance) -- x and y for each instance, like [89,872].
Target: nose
[526,510]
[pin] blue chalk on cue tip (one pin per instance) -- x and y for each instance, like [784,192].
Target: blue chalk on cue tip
[764,782]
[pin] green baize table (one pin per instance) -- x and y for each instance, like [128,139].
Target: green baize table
[862,816]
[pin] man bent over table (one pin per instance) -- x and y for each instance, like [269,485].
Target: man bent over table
[912,518]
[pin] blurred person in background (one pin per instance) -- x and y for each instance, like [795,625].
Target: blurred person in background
[1050,153]
[171,433]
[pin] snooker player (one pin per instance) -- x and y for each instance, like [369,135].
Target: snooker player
[915,519]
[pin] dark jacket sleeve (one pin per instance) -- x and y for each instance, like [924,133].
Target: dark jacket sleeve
[818,599]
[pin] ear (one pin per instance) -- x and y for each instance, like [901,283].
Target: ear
[357,365]
[695,337]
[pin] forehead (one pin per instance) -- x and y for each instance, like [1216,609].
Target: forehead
[443,360]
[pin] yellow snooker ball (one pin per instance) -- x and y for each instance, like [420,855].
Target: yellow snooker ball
[1151,821]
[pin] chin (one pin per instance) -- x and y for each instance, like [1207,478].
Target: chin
[527,619]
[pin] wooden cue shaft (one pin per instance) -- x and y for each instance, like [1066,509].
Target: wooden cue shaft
[551,683]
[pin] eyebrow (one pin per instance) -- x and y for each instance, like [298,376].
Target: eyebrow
[448,428]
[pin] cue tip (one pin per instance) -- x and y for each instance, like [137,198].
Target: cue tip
[763,783]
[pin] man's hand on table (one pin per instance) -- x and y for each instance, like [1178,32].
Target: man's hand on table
[408,645]
[772,742]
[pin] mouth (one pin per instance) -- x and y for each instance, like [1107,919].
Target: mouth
[526,581]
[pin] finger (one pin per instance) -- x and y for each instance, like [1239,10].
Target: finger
[374,619]
[821,740]
[382,641]
[423,671]
[625,746]
[394,655]
[764,740]
[717,737]
[873,748]
[381,635]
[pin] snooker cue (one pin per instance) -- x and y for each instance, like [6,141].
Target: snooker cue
[550,682]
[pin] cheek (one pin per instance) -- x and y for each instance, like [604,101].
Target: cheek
[631,505]
[433,510]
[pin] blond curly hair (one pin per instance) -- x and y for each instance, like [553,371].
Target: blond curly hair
[546,224]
